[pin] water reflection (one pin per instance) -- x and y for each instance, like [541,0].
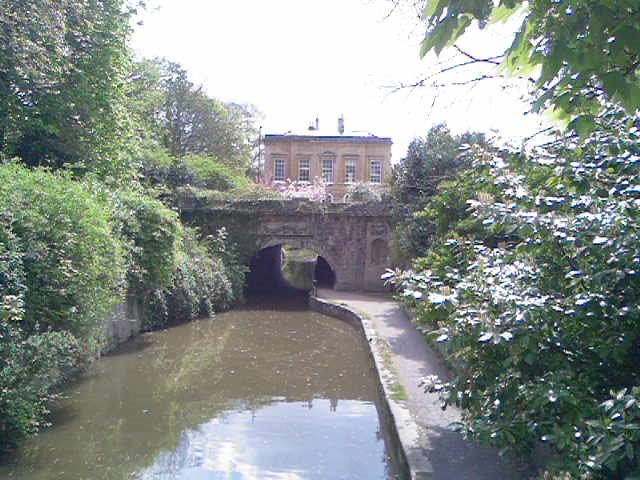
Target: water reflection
[283,441]
[255,393]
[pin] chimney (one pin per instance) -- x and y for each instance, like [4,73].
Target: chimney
[341,124]
[317,123]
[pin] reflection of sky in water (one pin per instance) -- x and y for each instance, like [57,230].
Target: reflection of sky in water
[282,441]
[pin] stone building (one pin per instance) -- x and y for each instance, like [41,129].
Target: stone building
[338,159]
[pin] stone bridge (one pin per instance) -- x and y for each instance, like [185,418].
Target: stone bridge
[353,238]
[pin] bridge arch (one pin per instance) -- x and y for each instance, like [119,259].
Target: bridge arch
[352,238]
[321,249]
[285,268]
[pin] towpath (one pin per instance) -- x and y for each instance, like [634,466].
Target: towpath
[437,452]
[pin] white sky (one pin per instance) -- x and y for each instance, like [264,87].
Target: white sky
[295,59]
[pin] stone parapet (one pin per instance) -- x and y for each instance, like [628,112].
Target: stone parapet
[190,201]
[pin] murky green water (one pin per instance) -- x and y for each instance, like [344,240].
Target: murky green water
[250,394]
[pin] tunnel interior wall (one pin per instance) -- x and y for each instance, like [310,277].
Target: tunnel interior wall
[265,274]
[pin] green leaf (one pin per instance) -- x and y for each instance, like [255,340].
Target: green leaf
[438,37]
[563,101]
[519,51]
[445,33]
[434,8]
[583,125]
[629,37]
[622,88]
[629,450]
[613,82]
[552,63]
[503,13]
[631,97]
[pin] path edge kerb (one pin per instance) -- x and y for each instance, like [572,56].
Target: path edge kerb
[403,428]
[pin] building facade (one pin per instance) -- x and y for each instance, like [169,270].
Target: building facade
[338,160]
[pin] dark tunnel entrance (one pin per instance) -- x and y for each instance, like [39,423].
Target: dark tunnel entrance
[324,275]
[265,272]
[287,271]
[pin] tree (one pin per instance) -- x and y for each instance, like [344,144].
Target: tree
[63,68]
[587,52]
[186,120]
[145,97]
[430,160]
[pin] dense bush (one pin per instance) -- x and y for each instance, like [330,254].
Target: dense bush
[72,243]
[161,170]
[209,279]
[534,290]
[215,175]
[153,235]
[30,365]
[74,266]
[252,191]
[61,270]
[363,192]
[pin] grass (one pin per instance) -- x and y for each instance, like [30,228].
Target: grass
[396,390]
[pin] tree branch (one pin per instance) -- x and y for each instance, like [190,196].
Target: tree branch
[467,82]
[492,60]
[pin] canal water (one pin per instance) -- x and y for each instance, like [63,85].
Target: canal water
[256,393]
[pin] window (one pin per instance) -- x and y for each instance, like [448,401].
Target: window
[327,170]
[278,169]
[375,171]
[304,169]
[350,170]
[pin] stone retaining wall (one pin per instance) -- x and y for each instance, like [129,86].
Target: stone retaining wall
[125,322]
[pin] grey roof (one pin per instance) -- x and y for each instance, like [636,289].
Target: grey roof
[311,136]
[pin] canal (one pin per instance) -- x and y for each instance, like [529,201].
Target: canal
[256,393]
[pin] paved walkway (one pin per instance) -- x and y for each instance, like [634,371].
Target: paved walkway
[449,455]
